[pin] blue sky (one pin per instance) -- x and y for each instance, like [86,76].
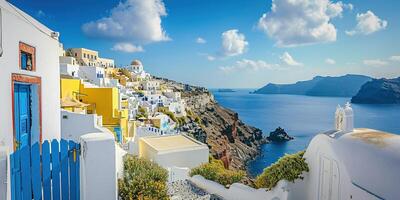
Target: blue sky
[239,48]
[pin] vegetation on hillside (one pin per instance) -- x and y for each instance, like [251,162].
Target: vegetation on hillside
[289,167]
[215,171]
[142,179]
[142,112]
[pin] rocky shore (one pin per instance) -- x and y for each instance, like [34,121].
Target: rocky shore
[218,127]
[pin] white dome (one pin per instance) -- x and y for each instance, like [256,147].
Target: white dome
[136,62]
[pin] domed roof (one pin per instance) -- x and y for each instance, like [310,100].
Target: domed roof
[136,62]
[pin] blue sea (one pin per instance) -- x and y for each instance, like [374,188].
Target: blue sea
[302,117]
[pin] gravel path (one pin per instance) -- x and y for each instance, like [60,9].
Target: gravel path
[184,190]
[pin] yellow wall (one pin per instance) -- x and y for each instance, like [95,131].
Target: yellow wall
[102,101]
[69,88]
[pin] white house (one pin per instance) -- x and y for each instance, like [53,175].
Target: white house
[29,86]
[173,151]
[150,85]
[29,80]
[69,66]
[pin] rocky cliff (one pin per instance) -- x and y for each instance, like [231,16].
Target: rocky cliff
[218,127]
[379,91]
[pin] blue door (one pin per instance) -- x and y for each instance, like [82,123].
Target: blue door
[118,134]
[22,115]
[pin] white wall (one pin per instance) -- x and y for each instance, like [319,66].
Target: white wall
[16,29]
[74,125]
[67,69]
[4,173]
[238,191]
[90,72]
[189,158]
[98,167]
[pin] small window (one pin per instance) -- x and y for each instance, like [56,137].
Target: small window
[76,55]
[27,57]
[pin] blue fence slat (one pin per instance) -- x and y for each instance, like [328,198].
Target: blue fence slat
[34,174]
[35,171]
[72,168]
[26,173]
[46,170]
[55,170]
[78,185]
[12,174]
[17,171]
[64,169]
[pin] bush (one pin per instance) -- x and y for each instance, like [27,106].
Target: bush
[142,113]
[215,171]
[167,112]
[289,167]
[142,179]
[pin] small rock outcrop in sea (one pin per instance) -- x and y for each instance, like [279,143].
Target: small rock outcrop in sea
[379,91]
[279,135]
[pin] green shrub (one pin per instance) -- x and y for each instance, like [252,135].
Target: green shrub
[142,113]
[169,113]
[142,179]
[215,171]
[289,167]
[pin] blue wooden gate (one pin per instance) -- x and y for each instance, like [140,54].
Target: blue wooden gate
[52,174]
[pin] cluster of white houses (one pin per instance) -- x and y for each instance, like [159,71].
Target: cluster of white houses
[50,93]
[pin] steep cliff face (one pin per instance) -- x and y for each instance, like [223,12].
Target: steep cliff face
[379,91]
[219,127]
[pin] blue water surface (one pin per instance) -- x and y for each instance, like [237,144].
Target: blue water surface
[302,117]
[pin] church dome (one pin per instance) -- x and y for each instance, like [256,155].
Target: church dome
[136,62]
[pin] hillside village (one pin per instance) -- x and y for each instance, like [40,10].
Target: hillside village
[74,125]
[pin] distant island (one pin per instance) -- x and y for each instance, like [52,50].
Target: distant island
[342,86]
[379,91]
[279,135]
[226,90]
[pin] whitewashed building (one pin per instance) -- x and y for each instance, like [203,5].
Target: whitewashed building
[29,86]
[29,80]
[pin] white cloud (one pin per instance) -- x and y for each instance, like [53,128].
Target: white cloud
[233,43]
[249,65]
[210,58]
[301,22]
[330,61]
[287,59]
[201,40]
[375,62]
[368,23]
[394,58]
[127,48]
[135,21]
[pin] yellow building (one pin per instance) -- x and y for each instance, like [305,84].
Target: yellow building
[87,57]
[101,101]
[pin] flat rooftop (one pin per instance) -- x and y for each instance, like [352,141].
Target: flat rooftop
[171,142]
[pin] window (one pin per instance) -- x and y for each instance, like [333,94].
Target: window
[27,57]
[84,55]
[76,54]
